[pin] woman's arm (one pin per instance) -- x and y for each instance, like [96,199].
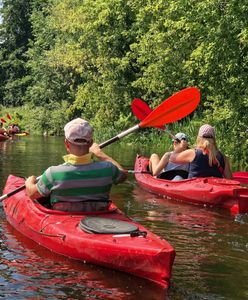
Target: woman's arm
[183,157]
[227,170]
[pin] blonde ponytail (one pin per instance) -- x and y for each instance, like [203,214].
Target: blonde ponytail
[209,147]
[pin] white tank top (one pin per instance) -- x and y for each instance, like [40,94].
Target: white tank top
[173,166]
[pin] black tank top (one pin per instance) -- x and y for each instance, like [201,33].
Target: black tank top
[199,167]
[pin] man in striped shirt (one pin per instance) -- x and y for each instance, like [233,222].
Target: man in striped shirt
[79,184]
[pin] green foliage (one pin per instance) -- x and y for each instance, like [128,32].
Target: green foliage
[15,31]
[38,120]
[91,58]
[49,82]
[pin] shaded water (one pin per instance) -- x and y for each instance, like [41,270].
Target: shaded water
[211,245]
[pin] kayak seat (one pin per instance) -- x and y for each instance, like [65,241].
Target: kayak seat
[169,175]
[45,201]
[106,225]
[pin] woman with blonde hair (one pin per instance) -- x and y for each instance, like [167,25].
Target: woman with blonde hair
[205,159]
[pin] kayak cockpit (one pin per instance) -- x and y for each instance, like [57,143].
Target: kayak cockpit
[43,204]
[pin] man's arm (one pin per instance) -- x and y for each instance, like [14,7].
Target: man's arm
[31,188]
[95,149]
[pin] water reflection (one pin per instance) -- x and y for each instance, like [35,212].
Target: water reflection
[210,246]
[30,155]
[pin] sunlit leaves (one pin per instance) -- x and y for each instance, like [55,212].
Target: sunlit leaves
[98,55]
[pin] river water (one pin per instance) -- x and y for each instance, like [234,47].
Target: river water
[211,245]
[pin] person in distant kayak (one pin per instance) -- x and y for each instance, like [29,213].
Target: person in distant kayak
[205,159]
[163,168]
[3,131]
[79,184]
[14,128]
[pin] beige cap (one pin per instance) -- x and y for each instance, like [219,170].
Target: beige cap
[78,132]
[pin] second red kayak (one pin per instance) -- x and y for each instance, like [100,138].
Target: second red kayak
[106,238]
[215,192]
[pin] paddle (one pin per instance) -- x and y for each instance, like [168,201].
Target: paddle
[8,116]
[20,188]
[174,108]
[141,110]
[138,172]
[2,120]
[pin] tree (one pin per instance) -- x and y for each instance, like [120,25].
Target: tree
[50,82]
[15,34]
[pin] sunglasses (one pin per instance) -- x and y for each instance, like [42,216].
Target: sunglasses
[179,141]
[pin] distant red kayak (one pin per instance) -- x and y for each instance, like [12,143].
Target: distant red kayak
[137,250]
[215,192]
[3,137]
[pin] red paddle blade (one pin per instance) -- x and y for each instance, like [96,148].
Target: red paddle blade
[174,108]
[2,120]
[141,110]
[8,116]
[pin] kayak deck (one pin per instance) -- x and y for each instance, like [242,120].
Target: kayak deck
[145,255]
[215,192]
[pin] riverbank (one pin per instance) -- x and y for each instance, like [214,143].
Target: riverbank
[41,121]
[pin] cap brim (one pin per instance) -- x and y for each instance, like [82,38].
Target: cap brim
[78,143]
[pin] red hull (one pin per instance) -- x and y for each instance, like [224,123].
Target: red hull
[242,177]
[149,257]
[216,192]
[3,137]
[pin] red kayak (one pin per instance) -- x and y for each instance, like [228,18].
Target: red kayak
[211,191]
[242,177]
[3,137]
[107,238]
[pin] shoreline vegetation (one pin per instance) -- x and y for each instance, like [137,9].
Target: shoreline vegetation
[37,121]
[61,59]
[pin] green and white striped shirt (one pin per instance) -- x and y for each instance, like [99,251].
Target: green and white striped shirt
[76,182]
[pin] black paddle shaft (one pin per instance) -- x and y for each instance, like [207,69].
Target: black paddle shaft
[13,192]
[119,136]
